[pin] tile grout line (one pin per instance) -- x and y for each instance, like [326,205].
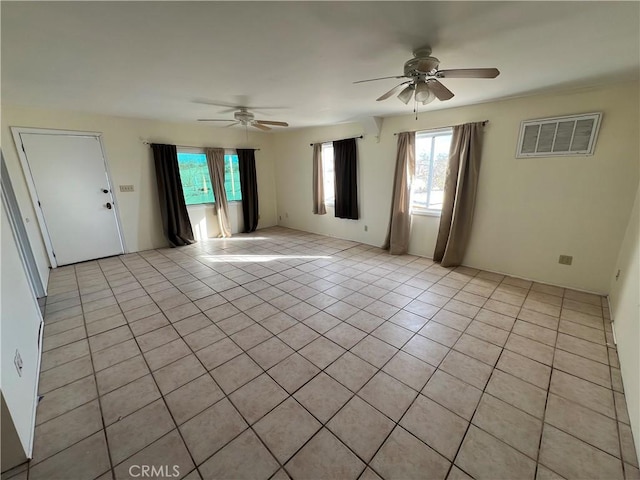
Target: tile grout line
[95,380]
[323,424]
[300,347]
[93,374]
[323,334]
[159,391]
[162,395]
[226,396]
[29,461]
[470,421]
[546,400]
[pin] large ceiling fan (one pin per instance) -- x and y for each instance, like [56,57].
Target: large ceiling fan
[423,74]
[247,119]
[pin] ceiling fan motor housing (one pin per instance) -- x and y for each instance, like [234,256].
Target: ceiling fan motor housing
[244,117]
[421,66]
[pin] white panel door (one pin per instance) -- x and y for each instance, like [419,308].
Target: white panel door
[72,187]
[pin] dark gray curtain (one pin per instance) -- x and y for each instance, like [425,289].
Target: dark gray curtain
[249,188]
[345,157]
[175,219]
[460,186]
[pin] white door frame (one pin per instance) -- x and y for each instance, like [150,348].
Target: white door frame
[22,238]
[26,169]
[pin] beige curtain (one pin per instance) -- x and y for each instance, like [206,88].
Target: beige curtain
[460,186]
[215,161]
[397,241]
[318,181]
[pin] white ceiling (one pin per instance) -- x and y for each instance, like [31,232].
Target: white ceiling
[157,59]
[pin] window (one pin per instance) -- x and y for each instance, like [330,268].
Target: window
[194,175]
[196,183]
[232,178]
[432,157]
[328,174]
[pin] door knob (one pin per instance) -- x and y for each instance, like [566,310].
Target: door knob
[108,205]
[104,190]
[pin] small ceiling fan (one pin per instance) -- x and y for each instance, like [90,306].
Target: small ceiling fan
[247,119]
[423,74]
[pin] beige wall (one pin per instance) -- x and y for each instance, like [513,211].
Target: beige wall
[625,311]
[204,220]
[131,163]
[529,211]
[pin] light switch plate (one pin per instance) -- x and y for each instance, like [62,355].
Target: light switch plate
[126,188]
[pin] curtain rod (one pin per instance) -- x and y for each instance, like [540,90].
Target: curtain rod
[484,122]
[191,146]
[312,144]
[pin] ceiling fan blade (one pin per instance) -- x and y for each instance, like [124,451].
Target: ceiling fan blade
[231,124]
[261,127]
[215,120]
[439,90]
[381,78]
[270,122]
[468,73]
[232,107]
[216,103]
[228,110]
[391,92]
[406,94]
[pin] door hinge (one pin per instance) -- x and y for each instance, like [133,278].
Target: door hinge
[53,253]
[39,204]
[22,145]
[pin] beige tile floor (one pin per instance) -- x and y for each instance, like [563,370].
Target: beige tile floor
[287,354]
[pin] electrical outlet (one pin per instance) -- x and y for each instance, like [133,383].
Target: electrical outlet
[618,274]
[286,214]
[126,188]
[279,217]
[565,260]
[17,361]
[366,228]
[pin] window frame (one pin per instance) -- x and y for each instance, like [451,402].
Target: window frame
[227,151]
[418,209]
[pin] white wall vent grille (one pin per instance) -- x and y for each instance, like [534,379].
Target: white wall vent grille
[559,136]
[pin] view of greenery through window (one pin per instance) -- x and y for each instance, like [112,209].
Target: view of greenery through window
[432,157]
[196,183]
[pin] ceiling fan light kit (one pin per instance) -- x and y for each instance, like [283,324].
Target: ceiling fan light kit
[406,94]
[423,74]
[424,94]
